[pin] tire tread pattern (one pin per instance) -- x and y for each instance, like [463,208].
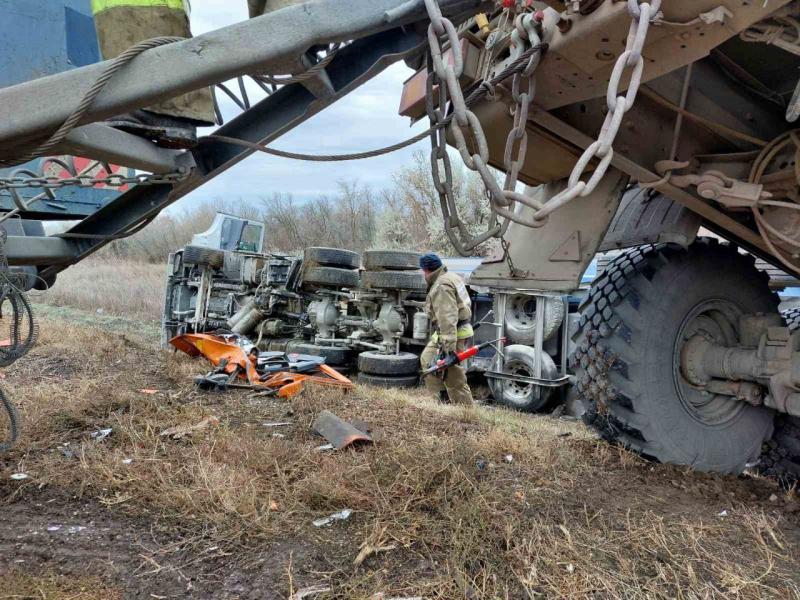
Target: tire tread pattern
[602,374]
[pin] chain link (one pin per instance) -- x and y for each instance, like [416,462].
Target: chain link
[470,139]
[113,180]
[618,105]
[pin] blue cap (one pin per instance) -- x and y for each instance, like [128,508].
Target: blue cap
[430,262]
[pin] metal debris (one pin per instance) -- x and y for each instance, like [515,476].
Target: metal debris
[338,432]
[101,434]
[342,515]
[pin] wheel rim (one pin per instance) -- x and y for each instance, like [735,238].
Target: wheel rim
[523,310]
[717,320]
[517,392]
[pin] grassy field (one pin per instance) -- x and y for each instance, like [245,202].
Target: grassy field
[120,288]
[447,505]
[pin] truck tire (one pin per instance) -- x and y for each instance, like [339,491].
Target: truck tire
[393,280]
[381,260]
[330,277]
[385,381]
[197,255]
[792,318]
[334,356]
[632,325]
[375,363]
[781,454]
[525,397]
[332,257]
[521,318]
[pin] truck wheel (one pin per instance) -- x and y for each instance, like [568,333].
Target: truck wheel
[197,255]
[332,257]
[393,280]
[334,356]
[375,363]
[379,260]
[792,318]
[385,381]
[521,318]
[781,457]
[330,277]
[632,328]
[526,397]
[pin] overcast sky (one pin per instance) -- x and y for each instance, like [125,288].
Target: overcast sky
[366,119]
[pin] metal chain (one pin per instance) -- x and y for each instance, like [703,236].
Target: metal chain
[504,201]
[464,123]
[618,106]
[113,180]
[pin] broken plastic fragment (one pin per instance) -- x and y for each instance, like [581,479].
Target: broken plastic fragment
[19,476]
[342,515]
[310,591]
[101,434]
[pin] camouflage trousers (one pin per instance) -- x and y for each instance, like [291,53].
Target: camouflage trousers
[454,380]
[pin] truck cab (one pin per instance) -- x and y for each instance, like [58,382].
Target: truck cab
[231,233]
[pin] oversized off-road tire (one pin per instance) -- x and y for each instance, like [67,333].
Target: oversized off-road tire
[332,257]
[375,363]
[781,454]
[521,318]
[197,255]
[389,381]
[526,397]
[329,277]
[334,356]
[382,260]
[792,318]
[393,280]
[632,327]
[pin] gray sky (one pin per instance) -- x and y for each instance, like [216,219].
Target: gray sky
[366,119]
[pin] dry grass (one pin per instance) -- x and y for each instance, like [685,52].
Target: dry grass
[123,288]
[567,516]
[24,586]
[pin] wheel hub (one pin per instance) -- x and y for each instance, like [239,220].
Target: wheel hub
[715,321]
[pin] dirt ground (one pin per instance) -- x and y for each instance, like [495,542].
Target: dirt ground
[447,504]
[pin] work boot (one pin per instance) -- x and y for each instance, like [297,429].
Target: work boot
[166,131]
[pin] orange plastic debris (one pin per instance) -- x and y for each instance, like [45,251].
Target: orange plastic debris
[218,350]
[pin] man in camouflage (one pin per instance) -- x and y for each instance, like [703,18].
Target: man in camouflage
[122,23]
[448,308]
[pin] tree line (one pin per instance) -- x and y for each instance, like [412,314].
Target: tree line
[404,216]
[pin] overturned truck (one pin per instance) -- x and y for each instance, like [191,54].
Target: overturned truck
[363,313]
